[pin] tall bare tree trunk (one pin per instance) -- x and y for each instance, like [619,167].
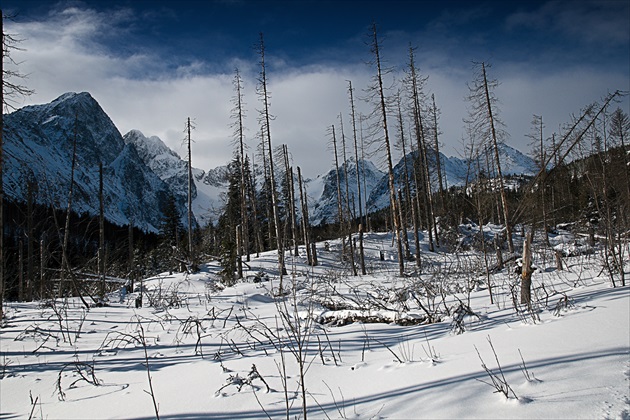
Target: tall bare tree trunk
[30,243]
[526,274]
[8,43]
[66,233]
[65,262]
[20,271]
[367,216]
[101,233]
[239,114]
[130,258]
[358,166]
[406,182]
[483,237]
[239,251]
[191,257]
[305,222]
[2,262]
[438,159]
[339,197]
[291,204]
[350,214]
[251,192]
[506,213]
[424,187]
[42,269]
[390,166]
[268,209]
[267,127]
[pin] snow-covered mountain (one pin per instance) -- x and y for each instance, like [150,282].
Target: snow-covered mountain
[39,147]
[513,162]
[170,168]
[322,190]
[454,172]
[140,172]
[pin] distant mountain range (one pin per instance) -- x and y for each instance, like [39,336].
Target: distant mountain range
[141,172]
[375,194]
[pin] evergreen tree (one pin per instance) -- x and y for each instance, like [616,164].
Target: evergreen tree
[171,229]
[229,220]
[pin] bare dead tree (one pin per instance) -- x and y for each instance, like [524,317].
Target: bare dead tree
[538,143]
[406,180]
[362,164]
[251,192]
[526,273]
[65,262]
[266,184]
[438,158]
[310,254]
[191,256]
[350,216]
[265,117]
[291,201]
[422,180]
[483,115]
[9,92]
[101,233]
[367,215]
[238,114]
[12,87]
[31,187]
[382,106]
[337,177]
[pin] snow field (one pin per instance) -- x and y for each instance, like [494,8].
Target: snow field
[577,355]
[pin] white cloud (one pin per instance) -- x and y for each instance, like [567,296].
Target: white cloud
[142,90]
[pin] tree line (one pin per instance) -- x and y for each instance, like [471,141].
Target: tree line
[583,178]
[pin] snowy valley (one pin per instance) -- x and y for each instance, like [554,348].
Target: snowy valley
[362,347]
[441,333]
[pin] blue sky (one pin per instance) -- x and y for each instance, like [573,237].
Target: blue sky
[152,64]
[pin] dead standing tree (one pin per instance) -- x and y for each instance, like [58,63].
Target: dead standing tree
[291,198]
[9,90]
[538,150]
[192,264]
[406,180]
[422,180]
[356,159]
[265,118]
[238,135]
[379,91]
[438,159]
[338,182]
[349,213]
[483,115]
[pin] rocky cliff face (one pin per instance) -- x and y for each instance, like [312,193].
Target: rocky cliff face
[39,143]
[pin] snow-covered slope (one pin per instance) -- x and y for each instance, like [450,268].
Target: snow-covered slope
[204,351]
[163,161]
[323,190]
[513,162]
[39,146]
[139,172]
[454,172]
[173,170]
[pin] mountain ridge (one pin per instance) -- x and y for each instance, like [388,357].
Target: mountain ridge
[140,172]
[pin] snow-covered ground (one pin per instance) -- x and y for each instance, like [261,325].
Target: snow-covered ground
[199,343]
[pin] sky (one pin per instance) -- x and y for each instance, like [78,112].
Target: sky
[153,64]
